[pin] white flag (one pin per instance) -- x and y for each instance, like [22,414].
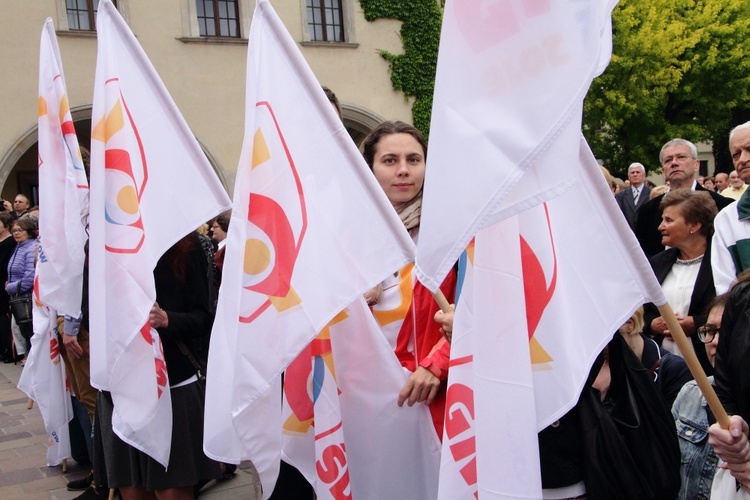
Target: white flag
[311,230]
[63,187]
[43,379]
[550,286]
[342,427]
[151,185]
[510,83]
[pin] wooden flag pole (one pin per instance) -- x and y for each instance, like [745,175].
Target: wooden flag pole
[442,302]
[686,348]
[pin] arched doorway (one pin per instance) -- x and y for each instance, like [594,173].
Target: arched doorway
[20,164]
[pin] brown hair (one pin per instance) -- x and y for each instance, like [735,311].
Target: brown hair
[333,99]
[27,224]
[6,219]
[390,128]
[223,220]
[697,207]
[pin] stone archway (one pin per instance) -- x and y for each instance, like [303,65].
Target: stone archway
[359,121]
[21,158]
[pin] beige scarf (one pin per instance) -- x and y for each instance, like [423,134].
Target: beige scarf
[410,213]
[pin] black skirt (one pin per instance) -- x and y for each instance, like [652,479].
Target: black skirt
[117,464]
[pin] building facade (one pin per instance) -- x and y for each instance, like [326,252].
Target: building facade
[199,48]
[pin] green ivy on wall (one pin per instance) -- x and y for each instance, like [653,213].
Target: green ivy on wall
[412,72]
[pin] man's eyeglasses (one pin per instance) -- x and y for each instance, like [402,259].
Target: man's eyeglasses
[680,158]
[707,332]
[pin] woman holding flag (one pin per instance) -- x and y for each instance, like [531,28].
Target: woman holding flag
[181,313]
[396,152]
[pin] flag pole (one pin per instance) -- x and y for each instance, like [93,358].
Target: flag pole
[442,302]
[686,348]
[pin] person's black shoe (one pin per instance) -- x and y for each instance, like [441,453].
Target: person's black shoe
[11,359]
[93,493]
[81,484]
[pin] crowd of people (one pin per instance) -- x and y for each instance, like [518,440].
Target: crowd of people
[695,232]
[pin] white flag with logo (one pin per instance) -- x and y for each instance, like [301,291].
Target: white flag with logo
[342,427]
[510,83]
[541,310]
[310,231]
[63,187]
[151,184]
[44,380]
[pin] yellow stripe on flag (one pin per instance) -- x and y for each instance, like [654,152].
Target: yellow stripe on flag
[260,149]
[42,105]
[109,126]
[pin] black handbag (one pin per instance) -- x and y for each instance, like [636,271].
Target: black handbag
[630,442]
[20,307]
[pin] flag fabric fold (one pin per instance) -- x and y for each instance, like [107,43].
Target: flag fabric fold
[63,187]
[151,184]
[510,81]
[340,408]
[44,380]
[310,231]
[548,289]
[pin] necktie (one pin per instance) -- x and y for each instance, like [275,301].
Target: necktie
[635,196]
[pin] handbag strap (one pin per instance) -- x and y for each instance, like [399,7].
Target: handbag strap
[189,355]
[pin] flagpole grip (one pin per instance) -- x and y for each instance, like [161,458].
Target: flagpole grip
[686,348]
[442,302]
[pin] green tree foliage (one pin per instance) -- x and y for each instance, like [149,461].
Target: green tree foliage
[412,72]
[680,68]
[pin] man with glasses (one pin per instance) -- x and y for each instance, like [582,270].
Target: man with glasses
[20,205]
[736,187]
[679,163]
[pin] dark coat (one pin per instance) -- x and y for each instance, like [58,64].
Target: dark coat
[703,292]
[649,219]
[628,206]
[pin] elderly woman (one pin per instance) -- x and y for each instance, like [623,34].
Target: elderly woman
[21,269]
[692,417]
[396,153]
[684,269]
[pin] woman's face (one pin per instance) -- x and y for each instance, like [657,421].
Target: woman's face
[398,165]
[709,185]
[674,229]
[19,234]
[714,317]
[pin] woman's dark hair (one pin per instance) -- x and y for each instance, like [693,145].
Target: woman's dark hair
[6,219]
[718,301]
[28,225]
[333,99]
[390,128]
[223,220]
[697,207]
[176,257]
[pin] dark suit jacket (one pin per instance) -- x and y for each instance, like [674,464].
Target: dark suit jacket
[703,292]
[649,219]
[627,204]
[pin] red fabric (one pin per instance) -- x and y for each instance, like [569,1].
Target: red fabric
[430,347]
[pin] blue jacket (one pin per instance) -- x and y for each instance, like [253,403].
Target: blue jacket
[21,268]
[699,460]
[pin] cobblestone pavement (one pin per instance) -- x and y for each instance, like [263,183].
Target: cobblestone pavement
[23,444]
